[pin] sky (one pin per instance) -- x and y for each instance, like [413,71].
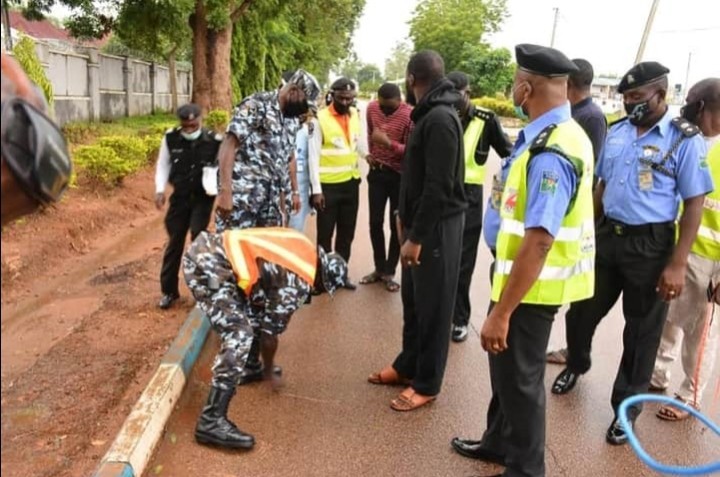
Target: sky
[605,32]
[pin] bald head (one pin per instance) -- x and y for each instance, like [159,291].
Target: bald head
[703,106]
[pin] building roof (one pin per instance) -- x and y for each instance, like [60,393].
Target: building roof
[46,30]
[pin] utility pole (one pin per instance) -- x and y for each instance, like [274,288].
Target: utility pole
[555,22]
[6,26]
[646,33]
[687,75]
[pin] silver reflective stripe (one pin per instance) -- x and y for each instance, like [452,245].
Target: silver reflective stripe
[565,234]
[712,204]
[585,265]
[337,169]
[336,152]
[708,233]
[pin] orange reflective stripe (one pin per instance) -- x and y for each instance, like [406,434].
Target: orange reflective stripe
[281,253]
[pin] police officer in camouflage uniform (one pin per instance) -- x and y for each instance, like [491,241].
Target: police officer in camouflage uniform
[238,306]
[185,152]
[257,165]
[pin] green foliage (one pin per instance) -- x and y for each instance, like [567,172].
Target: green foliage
[129,149]
[100,165]
[369,73]
[491,70]
[396,64]
[501,107]
[217,120]
[152,146]
[448,26]
[24,52]
[81,132]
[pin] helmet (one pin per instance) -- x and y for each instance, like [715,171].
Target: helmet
[307,83]
[333,270]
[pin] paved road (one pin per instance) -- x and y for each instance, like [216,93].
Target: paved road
[328,421]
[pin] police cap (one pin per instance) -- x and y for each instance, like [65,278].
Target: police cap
[188,112]
[343,84]
[543,61]
[641,74]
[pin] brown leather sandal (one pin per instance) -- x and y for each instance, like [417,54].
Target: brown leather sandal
[388,377]
[409,400]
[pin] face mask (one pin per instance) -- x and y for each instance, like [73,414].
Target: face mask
[637,112]
[519,111]
[387,110]
[193,135]
[295,110]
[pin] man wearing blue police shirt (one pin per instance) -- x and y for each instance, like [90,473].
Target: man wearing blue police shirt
[649,163]
[539,225]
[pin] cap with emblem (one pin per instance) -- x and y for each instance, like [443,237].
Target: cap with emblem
[543,61]
[343,84]
[307,83]
[641,74]
[188,112]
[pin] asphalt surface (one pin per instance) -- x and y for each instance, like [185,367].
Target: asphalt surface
[328,421]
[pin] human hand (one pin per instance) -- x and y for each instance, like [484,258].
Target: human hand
[493,335]
[672,281]
[410,253]
[159,200]
[380,138]
[224,203]
[318,201]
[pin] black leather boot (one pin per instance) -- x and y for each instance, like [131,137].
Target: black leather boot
[213,426]
[253,370]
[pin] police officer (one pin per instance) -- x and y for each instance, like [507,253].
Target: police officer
[184,154]
[246,280]
[539,226]
[650,161]
[482,130]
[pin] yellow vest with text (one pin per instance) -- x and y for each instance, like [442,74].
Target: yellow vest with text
[707,242]
[474,173]
[282,246]
[338,157]
[568,274]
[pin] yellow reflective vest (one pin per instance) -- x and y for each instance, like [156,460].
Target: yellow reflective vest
[474,173]
[568,273]
[338,156]
[707,242]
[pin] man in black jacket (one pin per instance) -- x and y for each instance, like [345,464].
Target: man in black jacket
[431,218]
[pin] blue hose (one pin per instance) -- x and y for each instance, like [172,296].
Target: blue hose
[710,468]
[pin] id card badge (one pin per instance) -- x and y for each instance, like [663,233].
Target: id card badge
[497,192]
[645,177]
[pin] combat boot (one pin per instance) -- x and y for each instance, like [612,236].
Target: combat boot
[213,426]
[253,370]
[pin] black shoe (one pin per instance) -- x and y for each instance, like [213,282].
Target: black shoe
[459,333]
[254,374]
[350,286]
[616,435]
[167,301]
[474,450]
[213,426]
[565,381]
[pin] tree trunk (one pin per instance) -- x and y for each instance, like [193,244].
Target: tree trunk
[172,67]
[211,63]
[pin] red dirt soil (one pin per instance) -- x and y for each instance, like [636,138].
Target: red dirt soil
[81,334]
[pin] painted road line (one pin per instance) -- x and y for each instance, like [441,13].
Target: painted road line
[135,443]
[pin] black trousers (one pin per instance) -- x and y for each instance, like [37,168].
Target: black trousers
[630,264]
[383,187]
[471,240]
[185,212]
[339,217]
[428,296]
[516,415]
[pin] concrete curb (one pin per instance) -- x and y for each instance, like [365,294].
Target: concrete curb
[134,445]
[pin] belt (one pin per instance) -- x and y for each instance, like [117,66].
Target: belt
[622,229]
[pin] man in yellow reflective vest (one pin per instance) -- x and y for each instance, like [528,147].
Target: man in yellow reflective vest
[482,130]
[540,228]
[246,280]
[688,322]
[334,153]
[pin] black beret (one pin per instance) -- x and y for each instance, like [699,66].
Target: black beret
[641,74]
[189,111]
[343,84]
[543,61]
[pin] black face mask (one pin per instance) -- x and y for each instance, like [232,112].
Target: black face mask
[638,112]
[410,95]
[295,110]
[388,110]
[691,111]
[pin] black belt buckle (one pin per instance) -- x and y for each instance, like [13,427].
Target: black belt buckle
[618,229]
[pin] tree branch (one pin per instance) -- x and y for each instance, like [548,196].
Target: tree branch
[240,11]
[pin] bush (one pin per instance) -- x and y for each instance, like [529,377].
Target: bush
[152,146]
[132,150]
[81,132]
[501,107]
[100,164]
[156,129]
[217,120]
[24,52]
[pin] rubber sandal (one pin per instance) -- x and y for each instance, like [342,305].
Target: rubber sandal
[391,285]
[405,403]
[388,377]
[668,412]
[373,277]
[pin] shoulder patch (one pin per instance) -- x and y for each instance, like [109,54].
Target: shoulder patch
[172,130]
[549,182]
[484,114]
[218,137]
[617,121]
[541,140]
[687,128]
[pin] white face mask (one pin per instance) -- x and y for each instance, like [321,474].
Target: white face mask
[193,135]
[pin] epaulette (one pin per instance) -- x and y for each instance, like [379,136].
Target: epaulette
[539,145]
[484,114]
[687,128]
[177,128]
[617,121]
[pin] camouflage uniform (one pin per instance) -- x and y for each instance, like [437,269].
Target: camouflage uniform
[261,172]
[272,301]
